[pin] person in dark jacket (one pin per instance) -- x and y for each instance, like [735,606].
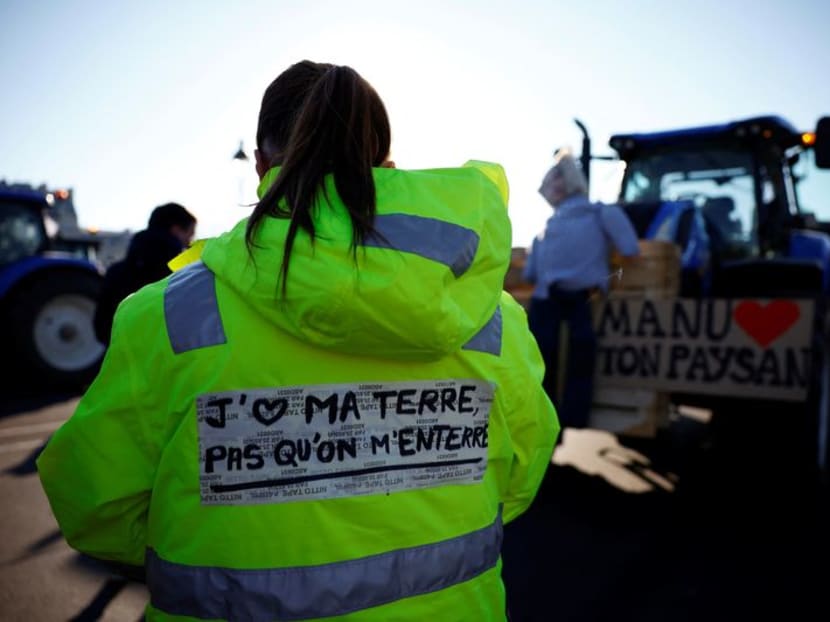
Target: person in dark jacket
[169,231]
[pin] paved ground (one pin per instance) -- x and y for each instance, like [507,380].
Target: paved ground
[41,578]
[740,535]
[701,526]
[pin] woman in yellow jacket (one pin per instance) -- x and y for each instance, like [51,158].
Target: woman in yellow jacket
[331,413]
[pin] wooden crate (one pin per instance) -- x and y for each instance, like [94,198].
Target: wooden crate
[654,274]
[520,289]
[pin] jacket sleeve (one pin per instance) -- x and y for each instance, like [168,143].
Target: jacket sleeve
[619,229]
[98,468]
[531,419]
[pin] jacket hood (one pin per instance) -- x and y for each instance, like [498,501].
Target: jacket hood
[420,290]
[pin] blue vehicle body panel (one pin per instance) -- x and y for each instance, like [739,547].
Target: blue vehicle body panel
[782,132]
[813,245]
[22,195]
[11,274]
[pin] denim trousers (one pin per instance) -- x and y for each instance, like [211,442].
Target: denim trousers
[570,309]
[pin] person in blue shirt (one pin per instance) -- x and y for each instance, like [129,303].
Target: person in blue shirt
[568,263]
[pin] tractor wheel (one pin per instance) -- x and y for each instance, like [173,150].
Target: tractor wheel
[52,330]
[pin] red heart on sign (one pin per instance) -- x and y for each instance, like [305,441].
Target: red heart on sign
[766,323]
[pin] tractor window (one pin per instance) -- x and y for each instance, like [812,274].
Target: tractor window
[21,231]
[640,186]
[813,186]
[721,183]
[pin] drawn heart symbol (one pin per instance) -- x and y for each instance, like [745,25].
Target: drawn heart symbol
[273,410]
[766,323]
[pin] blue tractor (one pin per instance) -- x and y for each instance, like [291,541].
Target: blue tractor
[730,196]
[48,290]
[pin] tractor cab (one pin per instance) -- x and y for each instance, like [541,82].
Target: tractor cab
[727,195]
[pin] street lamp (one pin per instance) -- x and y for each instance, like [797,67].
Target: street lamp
[240,158]
[240,153]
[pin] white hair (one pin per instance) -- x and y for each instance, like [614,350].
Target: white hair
[564,179]
[570,172]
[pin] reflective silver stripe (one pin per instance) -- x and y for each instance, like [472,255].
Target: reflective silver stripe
[191,310]
[488,339]
[445,242]
[333,589]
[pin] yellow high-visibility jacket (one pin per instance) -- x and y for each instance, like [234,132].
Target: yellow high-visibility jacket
[348,451]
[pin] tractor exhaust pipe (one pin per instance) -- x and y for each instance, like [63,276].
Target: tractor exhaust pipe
[585,157]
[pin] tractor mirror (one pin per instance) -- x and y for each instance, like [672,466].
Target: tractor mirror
[822,144]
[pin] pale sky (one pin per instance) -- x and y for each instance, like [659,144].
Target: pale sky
[133,104]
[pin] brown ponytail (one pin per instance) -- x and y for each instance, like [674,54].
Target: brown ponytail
[318,119]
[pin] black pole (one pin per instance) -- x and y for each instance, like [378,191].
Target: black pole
[585,158]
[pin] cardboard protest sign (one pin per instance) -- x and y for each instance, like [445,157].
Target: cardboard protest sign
[739,347]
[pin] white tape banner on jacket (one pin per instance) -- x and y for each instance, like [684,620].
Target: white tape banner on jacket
[341,440]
